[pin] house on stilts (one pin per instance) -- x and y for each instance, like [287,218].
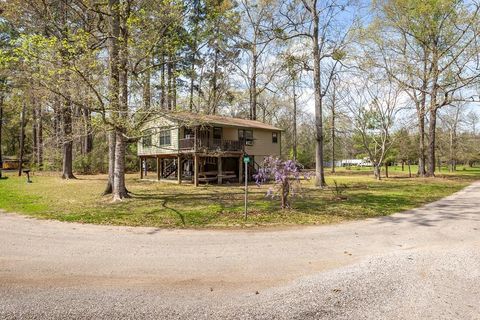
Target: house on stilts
[191,147]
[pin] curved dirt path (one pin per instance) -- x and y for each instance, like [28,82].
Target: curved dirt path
[420,264]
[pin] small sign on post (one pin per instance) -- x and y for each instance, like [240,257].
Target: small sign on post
[246,160]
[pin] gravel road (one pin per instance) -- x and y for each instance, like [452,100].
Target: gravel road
[420,264]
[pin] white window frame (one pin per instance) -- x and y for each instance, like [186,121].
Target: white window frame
[162,135]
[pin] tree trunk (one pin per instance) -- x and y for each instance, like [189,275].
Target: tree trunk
[111,162]
[163,101]
[421,107]
[88,136]
[1,129]
[169,84]
[450,163]
[192,73]
[34,134]
[174,85]
[67,150]
[386,170]
[22,139]
[319,167]
[113,85]
[214,102]
[454,144]
[67,168]
[200,96]
[253,85]
[195,32]
[57,120]
[433,114]
[147,89]
[431,143]
[285,193]
[421,147]
[377,171]
[333,129]
[294,121]
[39,138]
[119,190]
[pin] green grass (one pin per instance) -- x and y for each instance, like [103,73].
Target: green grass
[172,206]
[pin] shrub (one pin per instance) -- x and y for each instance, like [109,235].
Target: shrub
[286,178]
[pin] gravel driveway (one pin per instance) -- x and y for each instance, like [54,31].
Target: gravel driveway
[420,264]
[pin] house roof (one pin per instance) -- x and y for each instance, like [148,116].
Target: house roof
[197,118]
[10,158]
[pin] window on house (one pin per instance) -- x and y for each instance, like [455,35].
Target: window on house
[164,138]
[217,133]
[187,133]
[246,135]
[147,139]
[274,137]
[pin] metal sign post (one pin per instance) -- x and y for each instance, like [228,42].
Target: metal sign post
[246,160]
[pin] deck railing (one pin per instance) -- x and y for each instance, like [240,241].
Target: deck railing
[210,145]
[186,144]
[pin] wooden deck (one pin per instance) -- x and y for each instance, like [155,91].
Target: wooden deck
[170,166]
[219,145]
[211,176]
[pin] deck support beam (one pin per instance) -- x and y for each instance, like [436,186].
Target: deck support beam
[162,167]
[240,169]
[220,170]
[179,169]
[141,167]
[195,170]
[145,165]
[159,168]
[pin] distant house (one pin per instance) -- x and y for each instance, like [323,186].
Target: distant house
[365,162]
[205,148]
[349,162]
[10,163]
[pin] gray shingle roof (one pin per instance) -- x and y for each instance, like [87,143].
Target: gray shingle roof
[204,119]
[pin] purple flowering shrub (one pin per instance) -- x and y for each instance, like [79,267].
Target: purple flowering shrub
[284,174]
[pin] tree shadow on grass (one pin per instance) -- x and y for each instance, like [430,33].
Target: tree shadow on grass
[202,208]
[178,196]
[179,214]
[82,178]
[205,196]
[189,215]
[355,206]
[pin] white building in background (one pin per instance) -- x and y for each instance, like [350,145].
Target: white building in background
[365,162]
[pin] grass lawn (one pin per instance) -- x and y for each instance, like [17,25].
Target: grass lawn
[172,206]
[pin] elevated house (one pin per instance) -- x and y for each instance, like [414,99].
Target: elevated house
[205,148]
